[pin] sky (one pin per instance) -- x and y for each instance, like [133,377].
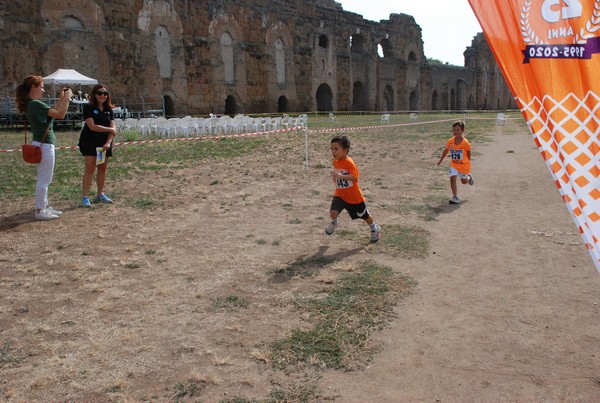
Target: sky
[447,26]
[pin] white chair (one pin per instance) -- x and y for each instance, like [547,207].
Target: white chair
[276,123]
[225,124]
[501,118]
[119,124]
[130,124]
[286,121]
[413,116]
[332,117]
[385,118]
[303,120]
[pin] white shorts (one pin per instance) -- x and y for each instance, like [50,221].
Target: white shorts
[455,172]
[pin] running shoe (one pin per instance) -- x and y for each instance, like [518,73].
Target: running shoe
[102,198]
[331,227]
[85,202]
[53,211]
[45,215]
[375,233]
[454,200]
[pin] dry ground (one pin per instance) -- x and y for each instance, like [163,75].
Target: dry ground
[120,302]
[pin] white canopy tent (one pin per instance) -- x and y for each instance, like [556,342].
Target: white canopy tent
[66,77]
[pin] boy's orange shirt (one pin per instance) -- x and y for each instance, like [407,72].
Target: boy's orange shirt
[459,158]
[347,190]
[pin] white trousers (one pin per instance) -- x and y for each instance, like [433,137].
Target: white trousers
[45,172]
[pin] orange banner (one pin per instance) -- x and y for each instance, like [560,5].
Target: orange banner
[549,54]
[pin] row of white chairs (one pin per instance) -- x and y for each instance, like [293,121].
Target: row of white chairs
[213,125]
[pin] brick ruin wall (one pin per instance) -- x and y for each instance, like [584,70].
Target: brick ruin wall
[256,56]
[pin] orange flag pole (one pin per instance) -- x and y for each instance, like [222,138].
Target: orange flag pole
[549,54]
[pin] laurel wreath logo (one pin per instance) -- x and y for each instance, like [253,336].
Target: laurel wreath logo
[591,26]
[529,35]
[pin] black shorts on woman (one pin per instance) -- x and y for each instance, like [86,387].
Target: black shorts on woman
[88,139]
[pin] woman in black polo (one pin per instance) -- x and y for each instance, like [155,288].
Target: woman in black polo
[98,132]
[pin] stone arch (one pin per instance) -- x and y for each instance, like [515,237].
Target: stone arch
[413,101]
[71,22]
[69,32]
[471,103]
[282,104]
[461,87]
[387,51]
[231,105]
[169,105]
[222,87]
[280,68]
[412,56]
[359,97]
[324,98]
[388,98]
[323,41]
[358,44]
[435,101]
[161,52]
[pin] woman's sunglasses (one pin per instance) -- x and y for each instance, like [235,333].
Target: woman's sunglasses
[105,93]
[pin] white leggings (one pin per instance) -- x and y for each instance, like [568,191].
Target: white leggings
[45,171]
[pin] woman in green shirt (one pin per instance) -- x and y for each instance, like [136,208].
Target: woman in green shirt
[40,118]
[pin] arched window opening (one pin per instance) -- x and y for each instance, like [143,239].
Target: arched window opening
[231,106]
[435,101]
[282,104]
[359,97]
[386,48]
[324,98]
[162,46]
[412,56]
[227,56]
[358,44]
[280,60]
[323,41]
[71,22]
[388,98]
[413,101]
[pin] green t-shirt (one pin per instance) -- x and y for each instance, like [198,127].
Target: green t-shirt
[38,119]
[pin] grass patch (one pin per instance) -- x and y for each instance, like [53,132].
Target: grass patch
[427,210]
[408,242]
[6,357]
[230,303]
[344,320]
[144,203]
[300,267]
[190,389]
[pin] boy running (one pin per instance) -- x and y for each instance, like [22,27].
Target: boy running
[460,160]
[347,194]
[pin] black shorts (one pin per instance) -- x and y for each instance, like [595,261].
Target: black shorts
[359,210]
[88,141]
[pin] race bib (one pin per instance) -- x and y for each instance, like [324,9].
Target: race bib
[344,183]
[456,155]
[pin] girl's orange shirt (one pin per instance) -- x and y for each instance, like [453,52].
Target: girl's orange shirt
[459,158]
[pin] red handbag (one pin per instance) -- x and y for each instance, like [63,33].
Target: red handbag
[32,154]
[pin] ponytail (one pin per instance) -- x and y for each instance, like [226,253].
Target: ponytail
[22,91]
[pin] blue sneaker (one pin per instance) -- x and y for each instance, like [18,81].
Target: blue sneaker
[85,202]
[102,198]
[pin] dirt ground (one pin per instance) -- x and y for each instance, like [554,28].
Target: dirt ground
[118,302]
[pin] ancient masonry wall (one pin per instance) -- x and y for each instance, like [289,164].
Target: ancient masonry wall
[256,56]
